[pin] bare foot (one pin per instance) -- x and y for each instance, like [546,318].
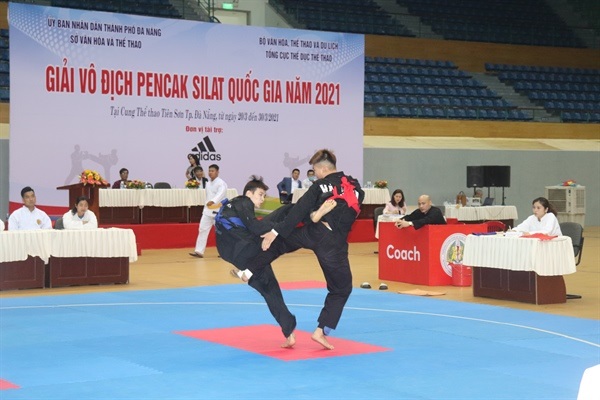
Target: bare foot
[327,206]
[290,342]
[319,337]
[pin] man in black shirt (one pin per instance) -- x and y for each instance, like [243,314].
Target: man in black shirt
[426,214]
[327,238]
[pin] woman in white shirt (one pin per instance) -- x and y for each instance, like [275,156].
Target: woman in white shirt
[396,205]
[542,221]
[80,217]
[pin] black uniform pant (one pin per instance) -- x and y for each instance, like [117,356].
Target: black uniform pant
[237,251]
[331,249]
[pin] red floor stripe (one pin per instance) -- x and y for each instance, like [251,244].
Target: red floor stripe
[266,340]
[5,385]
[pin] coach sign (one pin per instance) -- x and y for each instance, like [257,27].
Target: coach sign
[421,256]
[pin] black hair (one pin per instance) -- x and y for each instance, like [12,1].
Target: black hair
[195,157]
[25,190]
[79,199]
[215,166]
[197,168]
[401,204]
[545,203]
[256,182]
[123,170]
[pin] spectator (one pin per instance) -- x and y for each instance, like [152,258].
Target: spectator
[198,176]
[29,216]
[397,204]
[124,174]
[80,217]
[194,162]
[310,178]
[426,214]
[216,189]
[287,186]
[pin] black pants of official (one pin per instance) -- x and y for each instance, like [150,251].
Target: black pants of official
[331,249]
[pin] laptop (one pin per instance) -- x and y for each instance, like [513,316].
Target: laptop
[489,201]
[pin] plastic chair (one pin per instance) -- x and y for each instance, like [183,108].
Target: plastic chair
[58,224]
[162,185]
[495,226]
[376,213]
[575,232]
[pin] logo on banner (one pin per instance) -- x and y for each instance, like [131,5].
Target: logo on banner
[452,251]
[207,150]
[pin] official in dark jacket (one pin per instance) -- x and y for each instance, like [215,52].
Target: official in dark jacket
[426,214]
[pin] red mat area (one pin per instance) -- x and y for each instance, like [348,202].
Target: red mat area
[5,385]
[266,340]
[302,285]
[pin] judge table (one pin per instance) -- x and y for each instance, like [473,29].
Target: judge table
[149,206]
[519,268]
[34,259]
[476,215]
[374,197]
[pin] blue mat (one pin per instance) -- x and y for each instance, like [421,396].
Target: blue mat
[122,345]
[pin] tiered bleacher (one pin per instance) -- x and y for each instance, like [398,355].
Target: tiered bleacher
[571,93]
[355,16]
[4,66]
[410,88]
[530,22]
[155,8]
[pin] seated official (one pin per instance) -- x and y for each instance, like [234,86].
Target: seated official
[426,214]
[287,186]
[198,176]
[310,178]
[80,217]
[28,217]
[542,221]
[397,204]
[124,173]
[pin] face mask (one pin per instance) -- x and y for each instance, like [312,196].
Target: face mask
[312,178]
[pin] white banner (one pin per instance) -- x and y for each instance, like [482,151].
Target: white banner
[102,91]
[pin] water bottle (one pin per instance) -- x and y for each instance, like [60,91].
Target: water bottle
[122,185]
[369,184]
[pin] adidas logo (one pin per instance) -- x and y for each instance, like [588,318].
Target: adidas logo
[206,150]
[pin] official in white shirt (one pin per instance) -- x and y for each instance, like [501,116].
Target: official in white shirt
[28,217]
[542,221]
[216,189]
[80,217]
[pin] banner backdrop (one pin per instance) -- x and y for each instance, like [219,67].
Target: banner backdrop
[102,91]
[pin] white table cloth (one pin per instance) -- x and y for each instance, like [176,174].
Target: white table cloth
[372,196]
[484,213]
[112,242]
[18,245]
[155,197]
[545,257]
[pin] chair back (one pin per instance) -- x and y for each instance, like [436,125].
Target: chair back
[495,226]
[162,185]
[575,232]
[376,213]
[58,224]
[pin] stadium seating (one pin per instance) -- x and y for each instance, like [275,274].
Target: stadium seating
[570,93]
[410,88]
